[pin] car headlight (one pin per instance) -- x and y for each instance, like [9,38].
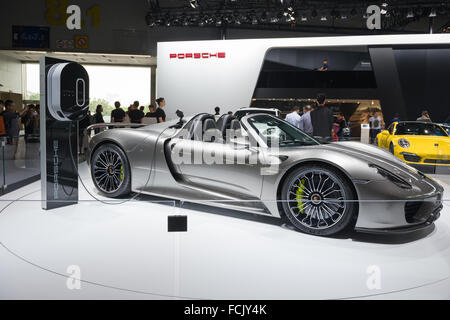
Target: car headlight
[395,179]
[403,143]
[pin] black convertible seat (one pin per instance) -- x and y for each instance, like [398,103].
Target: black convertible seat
[235,129]
[210,131]
[209,124]
[197,128]
[224,123]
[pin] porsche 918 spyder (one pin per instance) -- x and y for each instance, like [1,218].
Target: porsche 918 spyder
[270,168]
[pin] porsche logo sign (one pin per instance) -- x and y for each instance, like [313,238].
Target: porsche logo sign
[197,55]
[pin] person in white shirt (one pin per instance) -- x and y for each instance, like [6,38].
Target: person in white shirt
[305,120]
[294,117]
[375,122]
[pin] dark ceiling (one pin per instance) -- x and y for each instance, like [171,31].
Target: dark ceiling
[344,17]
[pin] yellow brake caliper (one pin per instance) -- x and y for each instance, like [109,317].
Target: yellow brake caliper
[299,195]
[121,173]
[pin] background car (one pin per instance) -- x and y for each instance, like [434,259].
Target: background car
[321,189]
[421,144]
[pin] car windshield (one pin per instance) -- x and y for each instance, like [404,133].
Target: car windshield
[419,129]
[272,129]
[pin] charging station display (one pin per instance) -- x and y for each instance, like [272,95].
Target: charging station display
[65,99]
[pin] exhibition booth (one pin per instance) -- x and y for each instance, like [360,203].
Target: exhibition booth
[207,206]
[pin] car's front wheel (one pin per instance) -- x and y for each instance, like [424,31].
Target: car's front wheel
[110,171]
[319,200]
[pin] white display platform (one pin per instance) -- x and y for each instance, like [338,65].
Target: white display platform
[125,252]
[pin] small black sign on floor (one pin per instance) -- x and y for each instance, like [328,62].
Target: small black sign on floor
[177,223]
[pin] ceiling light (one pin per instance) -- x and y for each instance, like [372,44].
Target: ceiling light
[304,18]
[323,18]
[410,14]
[194,4]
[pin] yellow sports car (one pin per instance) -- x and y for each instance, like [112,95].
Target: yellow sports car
[422,144]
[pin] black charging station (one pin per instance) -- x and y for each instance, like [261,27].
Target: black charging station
[64,94]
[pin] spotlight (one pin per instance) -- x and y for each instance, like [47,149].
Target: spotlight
[194,4]
[264,17]
[323,18]
[304,18]
[150,21]
[274,19]
[410,14]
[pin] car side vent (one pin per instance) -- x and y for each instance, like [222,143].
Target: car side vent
[411,210]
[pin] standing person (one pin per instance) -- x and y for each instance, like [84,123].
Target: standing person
[322,119]
[82,134]
[375,125]
[142,108]
[159,113]
[135,114]
[324,66]
[305,120]
[117,115]
[151,112]
[98,117]
[396,118]
[424,117]
[217,113]
[10,117]
[29,121]
[294,117]
[339,126]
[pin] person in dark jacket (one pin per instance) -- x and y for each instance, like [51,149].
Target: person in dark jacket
[322,119]
[117,115]
[98,117]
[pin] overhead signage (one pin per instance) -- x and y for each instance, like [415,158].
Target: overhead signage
[197,55]
[30,37]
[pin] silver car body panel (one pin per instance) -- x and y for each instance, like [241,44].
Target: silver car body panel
[242,187]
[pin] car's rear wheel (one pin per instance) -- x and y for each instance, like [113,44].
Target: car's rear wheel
[110,171]
[319,200]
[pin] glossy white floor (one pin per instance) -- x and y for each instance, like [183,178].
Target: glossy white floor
[124,251]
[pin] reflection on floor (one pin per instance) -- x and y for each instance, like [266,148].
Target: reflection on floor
[124,251]
[21,162]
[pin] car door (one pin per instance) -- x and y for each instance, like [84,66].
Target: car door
[228,168]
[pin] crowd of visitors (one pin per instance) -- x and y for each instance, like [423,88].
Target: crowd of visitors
[134,114]
[318,120]
[29,117]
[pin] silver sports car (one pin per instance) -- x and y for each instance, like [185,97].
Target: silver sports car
[264,165]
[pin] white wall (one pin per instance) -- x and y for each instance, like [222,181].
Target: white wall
[198,85]
[10,74]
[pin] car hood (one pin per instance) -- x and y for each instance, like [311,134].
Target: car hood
[371,155]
